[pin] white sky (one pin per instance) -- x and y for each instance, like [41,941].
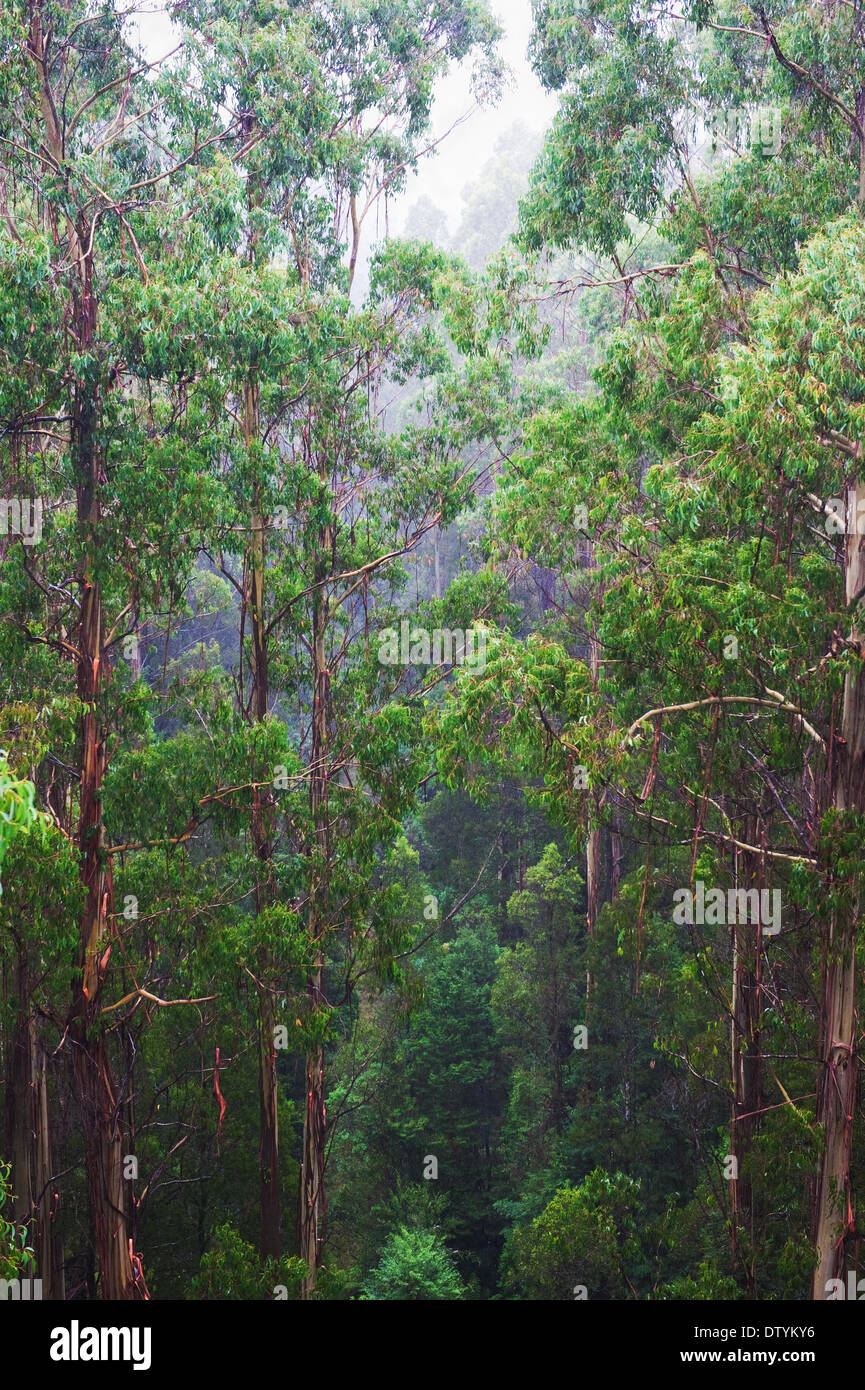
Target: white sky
[455,164]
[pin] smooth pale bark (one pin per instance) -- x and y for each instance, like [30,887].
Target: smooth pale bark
[838,1053]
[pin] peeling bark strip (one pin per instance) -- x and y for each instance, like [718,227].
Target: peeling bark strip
[219,1096]
[838,1055]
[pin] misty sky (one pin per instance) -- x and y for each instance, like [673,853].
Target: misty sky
[444,175]
[454,165]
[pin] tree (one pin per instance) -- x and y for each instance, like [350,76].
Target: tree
[538,1002]
[416,1267]
[318,155]
[621,143]
[92,422]
[582,1245]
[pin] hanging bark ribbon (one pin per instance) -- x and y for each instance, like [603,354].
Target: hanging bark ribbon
[219,1097]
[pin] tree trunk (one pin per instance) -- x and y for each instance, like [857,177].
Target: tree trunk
[312,1203]
[617,854]
[838,1056]
[437,555]
[29,1138]
[270,1205]
[594,848]
[593,893]
[99,1108]
[270,1212]
[745,1051]
[100,1113]
[312,1192]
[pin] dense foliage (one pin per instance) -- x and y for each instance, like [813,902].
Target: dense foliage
[432,789]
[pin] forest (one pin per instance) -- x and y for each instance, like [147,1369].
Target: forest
[432,701]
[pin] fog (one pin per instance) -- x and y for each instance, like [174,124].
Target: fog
[467,133]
